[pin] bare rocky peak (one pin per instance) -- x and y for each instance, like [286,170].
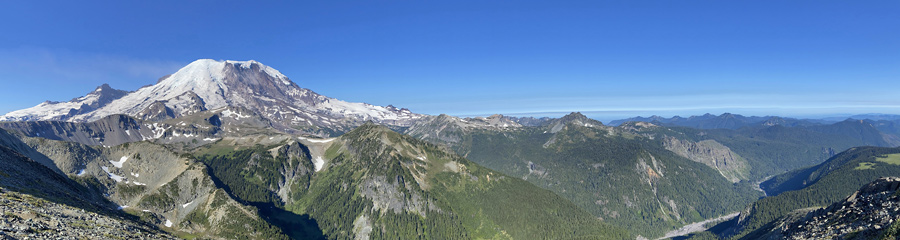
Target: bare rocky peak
[104,94]
[575,118]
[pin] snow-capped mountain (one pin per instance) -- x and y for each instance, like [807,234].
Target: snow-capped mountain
[208,84]
[48,110]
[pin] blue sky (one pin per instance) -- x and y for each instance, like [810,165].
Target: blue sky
[609,59]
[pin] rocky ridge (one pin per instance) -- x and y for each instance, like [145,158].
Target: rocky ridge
[449,129]
[161,187]
[870,213]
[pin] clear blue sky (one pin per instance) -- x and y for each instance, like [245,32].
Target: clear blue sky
[607,58]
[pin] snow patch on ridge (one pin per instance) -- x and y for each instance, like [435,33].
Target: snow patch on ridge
[115,177]
[120,162]
[319,163]
[327,140]
[229,113]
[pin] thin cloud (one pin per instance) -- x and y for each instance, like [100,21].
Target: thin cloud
[80,67]
[32,75]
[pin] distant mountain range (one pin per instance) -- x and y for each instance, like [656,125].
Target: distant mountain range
[735,121]
[725,120]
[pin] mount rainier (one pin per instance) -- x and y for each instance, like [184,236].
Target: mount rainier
[207,84]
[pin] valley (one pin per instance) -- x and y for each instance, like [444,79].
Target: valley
[697,226]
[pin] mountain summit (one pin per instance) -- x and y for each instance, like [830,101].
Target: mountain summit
[50,110]
[208,84]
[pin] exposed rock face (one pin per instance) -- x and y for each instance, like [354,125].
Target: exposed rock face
[157,111]
[870,213]
[185,104]
[109,131]
[387,196]
[190,131]
[296,173]
[711,153]
[112,130]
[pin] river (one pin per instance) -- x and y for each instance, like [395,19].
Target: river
[697,226]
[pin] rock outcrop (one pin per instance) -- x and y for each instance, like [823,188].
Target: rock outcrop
[870,213]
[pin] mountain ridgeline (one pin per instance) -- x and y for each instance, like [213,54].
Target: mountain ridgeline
[762,150]
[236,150]
[723,121]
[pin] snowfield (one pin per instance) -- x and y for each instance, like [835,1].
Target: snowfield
[120,162]
[319,163]
[327,140]
[115,177]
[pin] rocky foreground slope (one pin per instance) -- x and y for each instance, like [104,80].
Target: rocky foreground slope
[38,203]
[870,213]
[29,217]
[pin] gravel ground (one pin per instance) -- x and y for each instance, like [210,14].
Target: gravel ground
[28,217]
